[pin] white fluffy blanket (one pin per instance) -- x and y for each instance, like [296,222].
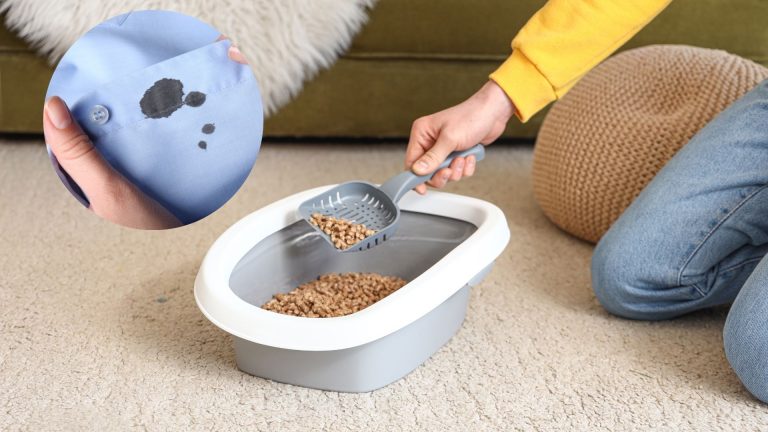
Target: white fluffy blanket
[286,41]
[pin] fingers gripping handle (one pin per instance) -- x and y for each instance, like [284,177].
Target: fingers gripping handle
[398,185]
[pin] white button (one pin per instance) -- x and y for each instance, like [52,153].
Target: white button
[99,114]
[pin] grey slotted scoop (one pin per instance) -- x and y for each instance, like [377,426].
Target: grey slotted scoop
[375,207]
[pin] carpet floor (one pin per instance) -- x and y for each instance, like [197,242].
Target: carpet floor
[100,329]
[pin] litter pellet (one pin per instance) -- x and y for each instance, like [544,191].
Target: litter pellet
[335,294]
[343,233]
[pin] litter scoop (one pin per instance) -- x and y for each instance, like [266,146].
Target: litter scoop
[375,207]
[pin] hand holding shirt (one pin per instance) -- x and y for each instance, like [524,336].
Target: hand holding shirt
[166,107]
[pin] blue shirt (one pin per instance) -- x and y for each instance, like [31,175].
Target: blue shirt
[166,107]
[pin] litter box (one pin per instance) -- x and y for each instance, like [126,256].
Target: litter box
[444,245]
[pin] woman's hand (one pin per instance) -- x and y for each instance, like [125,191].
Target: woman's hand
[479,119]
[111,195]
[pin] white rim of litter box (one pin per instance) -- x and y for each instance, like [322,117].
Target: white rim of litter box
[234,315]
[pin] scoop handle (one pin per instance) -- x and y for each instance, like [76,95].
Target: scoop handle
[398,185]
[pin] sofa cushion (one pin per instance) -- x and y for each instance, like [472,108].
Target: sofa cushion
[23,79]
[415,57]
[374,98]
[484,28]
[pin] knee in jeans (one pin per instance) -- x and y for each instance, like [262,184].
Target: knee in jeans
[611,278]
[616,280]
[746,347]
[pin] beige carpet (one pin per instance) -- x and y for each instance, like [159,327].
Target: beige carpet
[100,329]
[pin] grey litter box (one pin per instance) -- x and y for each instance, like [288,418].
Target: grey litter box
[445,244]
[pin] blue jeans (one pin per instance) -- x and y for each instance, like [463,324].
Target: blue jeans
[697,237]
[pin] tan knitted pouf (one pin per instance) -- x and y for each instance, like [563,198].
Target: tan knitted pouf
[606,139]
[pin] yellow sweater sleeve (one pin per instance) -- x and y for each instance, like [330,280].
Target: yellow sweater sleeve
[562,42]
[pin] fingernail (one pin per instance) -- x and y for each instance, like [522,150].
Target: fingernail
[234,50]
[58,112]
[422,165]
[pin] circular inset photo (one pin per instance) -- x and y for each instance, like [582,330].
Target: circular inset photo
[153,119]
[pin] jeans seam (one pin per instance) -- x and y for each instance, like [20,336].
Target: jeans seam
[742,264]
[712,231]
[698,290]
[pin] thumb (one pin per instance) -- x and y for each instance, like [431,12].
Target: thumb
[111,195]
[432,158]
[74,150]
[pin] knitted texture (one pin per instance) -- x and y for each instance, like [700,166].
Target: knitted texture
[605,140]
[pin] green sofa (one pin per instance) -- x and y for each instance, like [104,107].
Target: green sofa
[413,58]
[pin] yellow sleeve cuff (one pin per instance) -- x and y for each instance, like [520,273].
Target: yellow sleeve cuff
[528,89]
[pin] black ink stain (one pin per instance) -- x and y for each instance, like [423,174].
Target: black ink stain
[195,99]
[163,98]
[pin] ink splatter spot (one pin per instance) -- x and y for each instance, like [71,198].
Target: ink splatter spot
[203,145]
[208,128]
[165,97]
[162,99]
[195,99]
